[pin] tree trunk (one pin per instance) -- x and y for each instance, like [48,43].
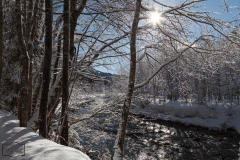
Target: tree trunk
[35,97]
[24,58]
[119,143]
[75,12]
[57,89]
[65,91]
[1,40]
[46,69]
[30,82]
[55,72]
[29,10]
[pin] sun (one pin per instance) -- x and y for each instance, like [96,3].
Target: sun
[155,17]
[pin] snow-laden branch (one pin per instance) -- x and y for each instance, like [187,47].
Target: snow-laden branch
[171,8]
[143,55]
[109,11]
[105,46]
[163,65]
[96,112]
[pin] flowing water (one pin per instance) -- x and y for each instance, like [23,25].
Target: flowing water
[151,139]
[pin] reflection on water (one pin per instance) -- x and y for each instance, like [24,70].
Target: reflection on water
[148,139]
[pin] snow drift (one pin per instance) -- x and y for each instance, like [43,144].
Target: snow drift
[221,116]
[19,143]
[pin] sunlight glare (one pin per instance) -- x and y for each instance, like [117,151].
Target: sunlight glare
[155,17]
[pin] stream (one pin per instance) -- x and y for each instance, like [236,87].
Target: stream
[153,139]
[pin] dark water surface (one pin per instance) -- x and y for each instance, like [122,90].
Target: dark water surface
[151,139]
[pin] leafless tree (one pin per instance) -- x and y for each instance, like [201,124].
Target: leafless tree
[163,56]
[119,143]
[46,69]
[1,40]
[65,70]
[24,58]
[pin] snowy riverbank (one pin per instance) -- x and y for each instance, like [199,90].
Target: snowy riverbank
[214,116]
[19,143]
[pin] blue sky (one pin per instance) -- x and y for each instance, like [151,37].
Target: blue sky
[216,6]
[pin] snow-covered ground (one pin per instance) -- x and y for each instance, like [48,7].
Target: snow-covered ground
[19,143]
[213,116]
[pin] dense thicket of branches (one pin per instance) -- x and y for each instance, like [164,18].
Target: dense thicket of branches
[196,77]
[188,55]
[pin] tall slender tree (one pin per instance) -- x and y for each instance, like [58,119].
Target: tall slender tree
[46,69]
[24,59]
[119,143]
[75,11]
[1,39]
[65,91]
[30,53]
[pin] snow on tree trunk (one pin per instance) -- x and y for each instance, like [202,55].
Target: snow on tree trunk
[36,94]
[30,81]
[119,143]
[56,88]
[33,122]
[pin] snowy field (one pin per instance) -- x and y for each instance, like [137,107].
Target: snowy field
[213,116]
[19,143]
